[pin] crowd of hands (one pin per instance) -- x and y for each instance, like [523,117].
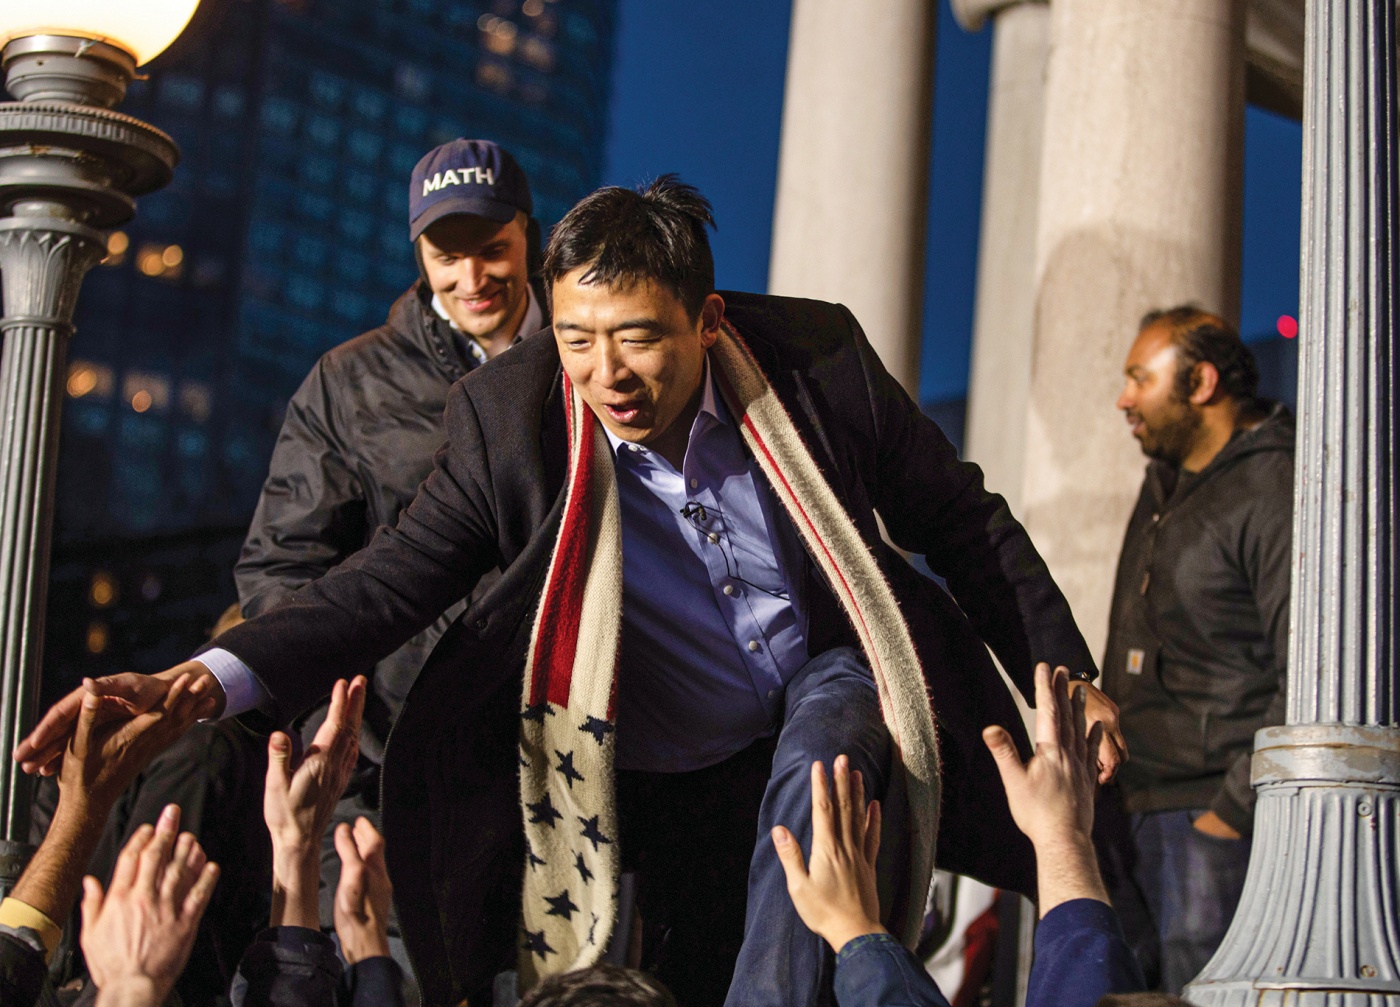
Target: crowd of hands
[137,935]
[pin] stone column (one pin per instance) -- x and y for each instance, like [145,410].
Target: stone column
[1004,325]
[1140,208]
[1318,924]
[852,204]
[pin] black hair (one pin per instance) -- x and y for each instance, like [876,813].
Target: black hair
[1200,337]
[626,236]
[601,986]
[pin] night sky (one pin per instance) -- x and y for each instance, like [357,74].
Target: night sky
[698,88]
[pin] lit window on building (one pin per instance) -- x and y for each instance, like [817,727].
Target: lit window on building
[411,122]
[355,225]
[326,90]
[192,444]
[164,262]
[322,130]
[179,91]
[360,185]
[498,34]
[196,400]
[317,170]
[97,637]
[532,8]
[88,379]
[117,244]
[145,391]
[279,116]
[102,589]
[228,102]
[538,53]
[370,105]
[493,75]
[365,146]
[412,83]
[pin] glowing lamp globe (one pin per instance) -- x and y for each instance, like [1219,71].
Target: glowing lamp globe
[144,28]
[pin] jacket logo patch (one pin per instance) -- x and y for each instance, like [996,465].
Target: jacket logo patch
[1135,659]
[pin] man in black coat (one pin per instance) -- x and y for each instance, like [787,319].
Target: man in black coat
[1198,636]
[360,433]
[633,357]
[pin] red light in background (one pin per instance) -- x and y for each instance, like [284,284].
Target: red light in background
[1287,326]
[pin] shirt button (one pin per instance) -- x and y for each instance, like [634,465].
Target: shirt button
[713,537]
[729,590]
[694,483]
[753,646]
[772,693]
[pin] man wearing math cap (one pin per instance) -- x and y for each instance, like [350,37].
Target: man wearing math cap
[360,432]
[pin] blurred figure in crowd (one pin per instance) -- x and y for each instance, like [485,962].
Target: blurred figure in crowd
[360,432]
[1198,637]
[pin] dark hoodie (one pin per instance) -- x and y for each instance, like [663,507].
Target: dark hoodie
[1198,637]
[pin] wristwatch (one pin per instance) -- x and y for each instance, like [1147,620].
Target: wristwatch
[1080,675]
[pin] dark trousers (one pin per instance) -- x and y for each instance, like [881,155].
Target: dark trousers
[1176,889]
[718,925]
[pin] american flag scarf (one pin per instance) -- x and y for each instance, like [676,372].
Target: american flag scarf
[568,728]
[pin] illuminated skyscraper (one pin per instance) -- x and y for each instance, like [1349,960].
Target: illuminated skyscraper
[285,233]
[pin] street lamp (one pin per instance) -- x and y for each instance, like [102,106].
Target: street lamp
[69,167]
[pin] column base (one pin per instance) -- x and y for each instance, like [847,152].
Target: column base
[1318,924]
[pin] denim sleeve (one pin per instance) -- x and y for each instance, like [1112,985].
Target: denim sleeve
[373,982]
[877,971]
[287,967]
[1081,955]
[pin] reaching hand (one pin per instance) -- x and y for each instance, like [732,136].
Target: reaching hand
[835,893]
[109,746]
[137,936]
[125,695]
[363,897]
[299,800]
[1052,796]
[1100,710]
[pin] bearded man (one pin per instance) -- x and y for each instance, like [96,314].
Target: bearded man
[1198,635]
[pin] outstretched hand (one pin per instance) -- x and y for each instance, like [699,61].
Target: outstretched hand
[1052,795]
[300,797]
[364,894]
[834,893]
[137,935]
[1102,712]
[123,696]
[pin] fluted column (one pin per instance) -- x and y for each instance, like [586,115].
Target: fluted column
[1139,208]
[42,262]
[1319,922]
[1003,335]
[852,205]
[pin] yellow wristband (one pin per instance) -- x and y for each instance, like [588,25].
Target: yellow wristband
[14,913]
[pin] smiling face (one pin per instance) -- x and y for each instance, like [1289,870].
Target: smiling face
[635,355]
[1165,424]
[477,268]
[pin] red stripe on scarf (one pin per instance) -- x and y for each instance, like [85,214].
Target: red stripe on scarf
[852,608]
[563,595]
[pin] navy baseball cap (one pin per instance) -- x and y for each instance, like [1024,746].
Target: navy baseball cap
[466,176]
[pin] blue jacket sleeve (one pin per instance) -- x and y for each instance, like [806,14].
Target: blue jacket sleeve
[373,982]
[287,967]
[877,971]
[1081,955]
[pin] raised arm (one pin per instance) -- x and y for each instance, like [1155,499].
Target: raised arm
[343,623]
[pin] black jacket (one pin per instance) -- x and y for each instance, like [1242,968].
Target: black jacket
[297,967]
[1198,637]
[359,436]
[452,820]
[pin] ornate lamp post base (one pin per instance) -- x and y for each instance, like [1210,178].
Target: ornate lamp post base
[67,169]
[1319,925]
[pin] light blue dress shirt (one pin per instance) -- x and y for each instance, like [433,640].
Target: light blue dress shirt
[713,618]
